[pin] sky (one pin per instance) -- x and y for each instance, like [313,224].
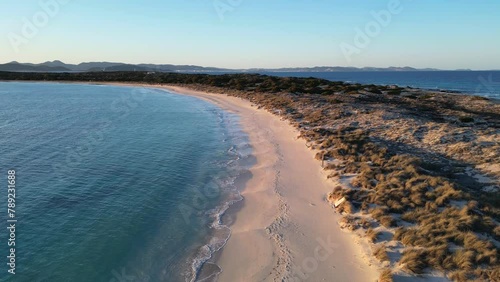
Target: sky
[445,34]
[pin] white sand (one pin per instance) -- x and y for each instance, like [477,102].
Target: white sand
[285,230]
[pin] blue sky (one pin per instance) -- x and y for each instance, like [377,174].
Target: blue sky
[446,34]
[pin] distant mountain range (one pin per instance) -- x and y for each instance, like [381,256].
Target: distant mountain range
[58,66]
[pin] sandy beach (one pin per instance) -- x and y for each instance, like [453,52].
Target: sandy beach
[285,230]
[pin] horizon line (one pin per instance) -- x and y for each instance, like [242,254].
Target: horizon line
[255,68]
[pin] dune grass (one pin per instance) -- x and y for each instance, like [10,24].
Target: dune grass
[381,254]
[386,276]
[397,185]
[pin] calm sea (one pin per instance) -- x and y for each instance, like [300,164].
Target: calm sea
[115,183]
[482,83]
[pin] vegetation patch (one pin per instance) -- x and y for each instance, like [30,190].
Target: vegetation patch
[386,276]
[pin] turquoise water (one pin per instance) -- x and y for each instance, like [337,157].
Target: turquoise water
[115,183]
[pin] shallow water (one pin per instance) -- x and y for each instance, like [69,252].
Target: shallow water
[115,183]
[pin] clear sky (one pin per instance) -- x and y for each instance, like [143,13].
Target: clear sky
[446,34]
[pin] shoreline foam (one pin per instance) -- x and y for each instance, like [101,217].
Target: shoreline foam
[202,266]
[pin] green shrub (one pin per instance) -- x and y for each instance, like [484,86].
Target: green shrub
[466,119]
[394,92]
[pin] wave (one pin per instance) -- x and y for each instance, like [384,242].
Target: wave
[233,170]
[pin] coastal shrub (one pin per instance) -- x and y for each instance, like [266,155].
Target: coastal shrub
[395,206]
[417,199]
[375,91]
[466,119]
[333,175]
[437,255]
[464,259]
[410,216]
[378,212]
[386,276]
[334,100]
[365,223]
[349,222]
[431,206]
[365,207]
[496,231]
[363,182]
[479,98]
[414,260]
[372,235]
[381,254]
[338,189]
[473,205]
[426,96]
[398,233]
[459,275]
[330,197]
[394,92]
[407,236]
[387,221]
[346,207]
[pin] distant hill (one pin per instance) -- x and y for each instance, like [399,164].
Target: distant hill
[15,66]
[120,67]
[94,66]
[58,66]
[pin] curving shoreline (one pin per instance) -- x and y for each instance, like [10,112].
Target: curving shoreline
[284,229]
[378,145]
[273,235]
[349,177]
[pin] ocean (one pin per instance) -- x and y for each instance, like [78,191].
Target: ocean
[116,183]
[481,83]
